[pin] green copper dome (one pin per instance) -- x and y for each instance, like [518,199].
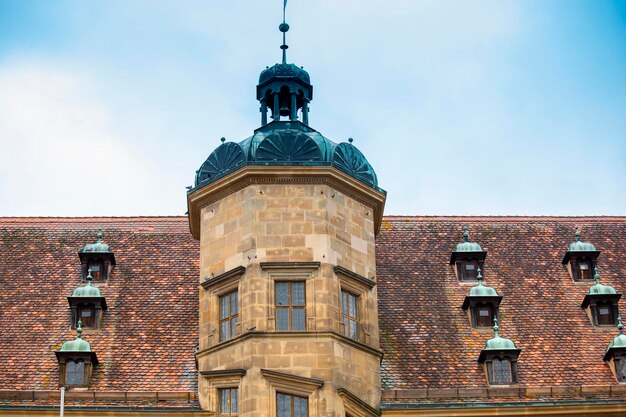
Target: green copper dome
[620,340]
[579,246]
[78,344]
[600,288]
[466,245]
[98,246]
[286,144]
[87,290]
[284,71]
[497,342]
[480,290]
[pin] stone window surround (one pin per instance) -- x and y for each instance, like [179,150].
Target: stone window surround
[356,407]
[291,271]
[285,383]
[216,287]
[227,378]
[361,287]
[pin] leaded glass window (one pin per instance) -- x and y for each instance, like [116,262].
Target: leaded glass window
[74,372]
[291,406]
[349,315]
[620,368]
[290,304]
[229,315]
[501,371]
[229,399]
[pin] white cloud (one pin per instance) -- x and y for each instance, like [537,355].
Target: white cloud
[59,153]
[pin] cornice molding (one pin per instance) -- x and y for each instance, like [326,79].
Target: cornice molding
[252,175]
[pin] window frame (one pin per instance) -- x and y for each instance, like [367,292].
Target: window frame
[214,288]
[292,400]
[364,289]
[232,332]
[290,307]
[289,384]
[511,357]
[89,360]
[230,413]
[476,318]
[222,379]
[346,316]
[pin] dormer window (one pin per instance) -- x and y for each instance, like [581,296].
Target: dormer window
[600,303]
[616,353]
[467,258]
[580,259]
[76,361]
[98,258]
[87,305]
[482,304]
[499,358]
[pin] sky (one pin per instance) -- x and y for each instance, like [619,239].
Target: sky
[472,107]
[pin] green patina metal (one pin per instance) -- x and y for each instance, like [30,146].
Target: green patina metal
[285,91]
[497,342]
[579,246]
[99,246]
[600,288]
[618,344]
[78,344]
[466,245]
[87,290]
[481,290]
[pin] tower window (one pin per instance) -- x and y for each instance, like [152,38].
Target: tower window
[229,315]
[229,400]
[291,405]
[349,315]
[290,305]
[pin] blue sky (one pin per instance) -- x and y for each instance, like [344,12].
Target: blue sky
[462,107]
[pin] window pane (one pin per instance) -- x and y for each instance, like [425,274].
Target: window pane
[620,369]
[346,326]
[224,405]
[344,302]
[469,267]
[297,293]
[224,335]
[283,405]
[603,311]
[501,371]
[234,306]
[298,319]
[74,372]
[233,327]
[223,306]
[85,313]
[584,266]
[352,299]
[483,312]
[282,293]
[353,330]
[300,407]
[234,400]
[282,319]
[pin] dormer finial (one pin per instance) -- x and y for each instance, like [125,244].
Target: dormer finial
[79,330]
[479,277]
[596,275]
[577,235]
[495,326]
[89,277]
[620,326]
[99,235]
[465,233]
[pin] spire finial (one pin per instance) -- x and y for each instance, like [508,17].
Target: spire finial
[577,235]
[465,233]
[284,27]
[99,235]
[495,326]
[596,275]
[79,330]
[479,277]
[620,326]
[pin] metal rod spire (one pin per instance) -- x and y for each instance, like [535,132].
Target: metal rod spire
[284,27]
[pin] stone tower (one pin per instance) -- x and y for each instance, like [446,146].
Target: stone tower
[288,308]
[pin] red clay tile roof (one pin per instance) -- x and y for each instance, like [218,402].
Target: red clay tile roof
[425,335]
[149,332]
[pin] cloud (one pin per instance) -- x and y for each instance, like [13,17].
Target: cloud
[60,153]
